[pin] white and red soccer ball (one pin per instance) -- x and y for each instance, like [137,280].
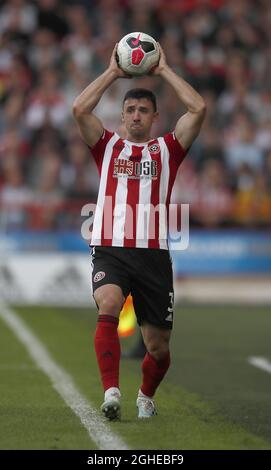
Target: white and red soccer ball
[137,53]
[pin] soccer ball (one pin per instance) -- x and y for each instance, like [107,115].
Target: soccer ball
[137,53]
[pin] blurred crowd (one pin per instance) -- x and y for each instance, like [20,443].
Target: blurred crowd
[51,49]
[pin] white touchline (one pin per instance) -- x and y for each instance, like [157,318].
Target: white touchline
[99,432]
[261,363]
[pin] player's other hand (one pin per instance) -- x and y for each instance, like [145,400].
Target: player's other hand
[162,64]
[114,66]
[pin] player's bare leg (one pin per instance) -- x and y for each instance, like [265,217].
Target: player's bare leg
[109,299]
[154,367]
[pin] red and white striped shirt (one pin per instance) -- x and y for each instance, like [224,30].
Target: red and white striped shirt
[136,181]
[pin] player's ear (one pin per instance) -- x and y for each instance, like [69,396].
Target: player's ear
[155,116]
[122,117]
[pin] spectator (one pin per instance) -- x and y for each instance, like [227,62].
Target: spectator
[18,16]
[11,114]
[79,173]
[15,196]
[44,51]
[80,43]
[50,17]
[244,150]
[267,170]
[47,104]
[252,201]
[213,205]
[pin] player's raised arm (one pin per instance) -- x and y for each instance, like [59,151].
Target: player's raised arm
[91,128]
[188,126]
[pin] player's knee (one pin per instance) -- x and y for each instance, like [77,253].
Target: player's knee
[110,305]
[159,351]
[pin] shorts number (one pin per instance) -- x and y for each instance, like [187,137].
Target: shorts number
[171,295]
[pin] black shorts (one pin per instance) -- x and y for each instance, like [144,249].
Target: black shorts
[145,273]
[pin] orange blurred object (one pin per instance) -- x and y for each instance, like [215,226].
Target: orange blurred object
[127,322]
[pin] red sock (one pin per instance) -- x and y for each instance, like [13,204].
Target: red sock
[107,347]
[153,372]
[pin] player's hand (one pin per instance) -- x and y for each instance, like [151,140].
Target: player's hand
[162,64]
[114,66]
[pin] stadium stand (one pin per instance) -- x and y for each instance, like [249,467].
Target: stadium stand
[50,49]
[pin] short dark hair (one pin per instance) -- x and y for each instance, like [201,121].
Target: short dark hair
[138,93]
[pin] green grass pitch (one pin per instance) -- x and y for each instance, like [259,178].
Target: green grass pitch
[212,398]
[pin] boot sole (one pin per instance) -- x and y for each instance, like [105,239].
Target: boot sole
[111,410]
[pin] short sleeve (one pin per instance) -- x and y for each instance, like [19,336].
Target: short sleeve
[99,148]
[176,151]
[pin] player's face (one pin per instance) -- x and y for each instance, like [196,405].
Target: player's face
[138,116]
